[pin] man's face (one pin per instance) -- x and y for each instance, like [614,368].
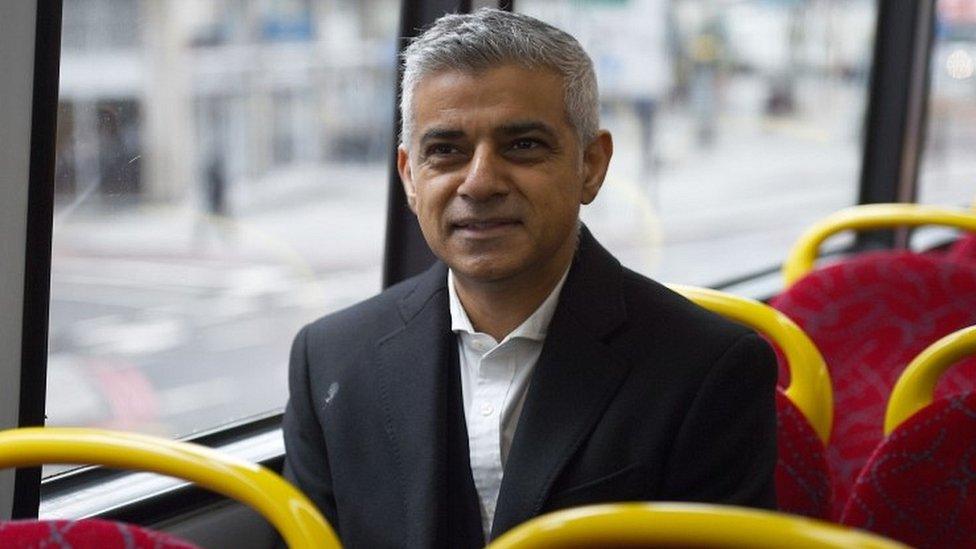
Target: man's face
[496,174]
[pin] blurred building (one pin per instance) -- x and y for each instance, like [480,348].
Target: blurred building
[259,85]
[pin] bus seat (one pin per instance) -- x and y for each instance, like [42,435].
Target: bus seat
[918,486]
[680,525]
[287,509]
[84,534]
[870,314]
[804,410]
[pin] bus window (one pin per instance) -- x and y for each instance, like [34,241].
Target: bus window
[948,169]
[221,180]
[736,125]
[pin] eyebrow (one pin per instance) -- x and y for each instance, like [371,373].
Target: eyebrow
[526,126]
[520,127]
[441,133]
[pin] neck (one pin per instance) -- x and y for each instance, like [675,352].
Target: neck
[498,307]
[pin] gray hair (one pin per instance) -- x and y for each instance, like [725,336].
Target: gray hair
[489,38]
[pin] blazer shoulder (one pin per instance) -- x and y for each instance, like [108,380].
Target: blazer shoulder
[688,345]
[650,303]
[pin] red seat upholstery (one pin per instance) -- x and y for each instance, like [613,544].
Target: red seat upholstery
[919,485]
[963,250]
[83,534]
[802,478]
[870,316]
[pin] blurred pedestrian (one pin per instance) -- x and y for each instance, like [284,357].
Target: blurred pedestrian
[216,218]
[216,190]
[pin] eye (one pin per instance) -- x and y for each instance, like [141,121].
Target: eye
[528,149]
[526,144]
[440,149]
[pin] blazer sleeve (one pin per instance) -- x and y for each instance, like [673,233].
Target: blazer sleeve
[306,457]
[725,450]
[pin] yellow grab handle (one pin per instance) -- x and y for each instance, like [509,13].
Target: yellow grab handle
[916,385]
[809,388]
[802,255]
[295,517]
[682,524]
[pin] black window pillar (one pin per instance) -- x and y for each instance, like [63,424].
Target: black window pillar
[40,215]
[898,101]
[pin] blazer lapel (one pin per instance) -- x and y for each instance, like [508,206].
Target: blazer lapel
[575,379]
[412,365]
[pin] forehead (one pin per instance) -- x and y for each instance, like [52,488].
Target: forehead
[489,98]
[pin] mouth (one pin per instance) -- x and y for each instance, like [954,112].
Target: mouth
[484,227]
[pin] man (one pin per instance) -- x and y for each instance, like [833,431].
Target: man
[528,371]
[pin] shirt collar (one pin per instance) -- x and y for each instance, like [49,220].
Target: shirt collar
[534,327]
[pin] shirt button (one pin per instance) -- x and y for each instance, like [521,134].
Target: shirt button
[487,409]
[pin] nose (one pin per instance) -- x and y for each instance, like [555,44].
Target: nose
[485,178]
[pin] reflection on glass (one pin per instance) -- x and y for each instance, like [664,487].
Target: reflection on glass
[736,124]
[221,180]
[948,172]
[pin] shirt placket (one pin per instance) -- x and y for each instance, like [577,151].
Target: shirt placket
[494,377]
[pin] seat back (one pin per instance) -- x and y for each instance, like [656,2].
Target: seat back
[287,509]
[803,409]
[870,316]
[918,484]
[680,525]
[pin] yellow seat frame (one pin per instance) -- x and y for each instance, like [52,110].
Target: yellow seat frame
[915,387]
[682,524]
[802,255]
[296,518]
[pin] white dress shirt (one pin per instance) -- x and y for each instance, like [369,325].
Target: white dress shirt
[494,379]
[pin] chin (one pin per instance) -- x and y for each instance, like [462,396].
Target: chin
[483,269]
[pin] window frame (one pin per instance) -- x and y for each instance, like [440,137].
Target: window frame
[38,225]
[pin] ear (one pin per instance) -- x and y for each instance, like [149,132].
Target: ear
[406,177]
[596,160]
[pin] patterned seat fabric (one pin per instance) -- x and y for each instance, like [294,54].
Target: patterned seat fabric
[802,478]
[83,534]
[870,316]
[963,250]
[919,486]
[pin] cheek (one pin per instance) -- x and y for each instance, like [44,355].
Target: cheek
[431,204]
[558,198]
[560,209]
[427,215]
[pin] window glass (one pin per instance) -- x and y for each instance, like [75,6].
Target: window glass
[221,180]
[736,124]
[948,169]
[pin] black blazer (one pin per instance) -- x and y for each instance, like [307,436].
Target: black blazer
[638,395]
